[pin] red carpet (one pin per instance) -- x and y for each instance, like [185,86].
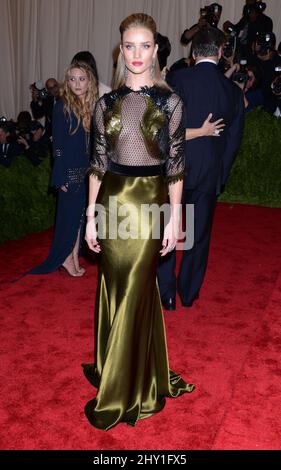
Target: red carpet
[228,344]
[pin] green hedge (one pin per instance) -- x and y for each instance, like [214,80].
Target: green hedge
[256,174]
[26,206]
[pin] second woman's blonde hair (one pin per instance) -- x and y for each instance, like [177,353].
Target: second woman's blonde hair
[72,104]
[144,21]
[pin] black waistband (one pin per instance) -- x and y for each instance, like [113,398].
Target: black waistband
[135,170]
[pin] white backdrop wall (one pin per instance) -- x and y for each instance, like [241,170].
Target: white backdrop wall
[39,37]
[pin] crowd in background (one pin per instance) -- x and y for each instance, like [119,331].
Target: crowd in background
[249,57]
[27,136]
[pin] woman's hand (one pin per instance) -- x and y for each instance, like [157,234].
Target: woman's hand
[171,235]
[64,188]
[212,128]
[91,235]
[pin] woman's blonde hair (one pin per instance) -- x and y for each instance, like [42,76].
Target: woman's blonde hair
[72,104]
[133,21]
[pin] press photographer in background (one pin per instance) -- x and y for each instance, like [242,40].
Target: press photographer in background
[23,123]
[253,21]
[43,100]
[260,78]
[249,79]
[37,146]
[210,15]
[267,59]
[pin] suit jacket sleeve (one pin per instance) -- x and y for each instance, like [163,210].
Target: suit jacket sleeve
[59,173]
[234,135]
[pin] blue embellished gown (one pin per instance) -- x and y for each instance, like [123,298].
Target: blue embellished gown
[71,162]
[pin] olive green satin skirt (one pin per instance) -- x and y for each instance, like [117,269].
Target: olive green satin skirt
[131,369]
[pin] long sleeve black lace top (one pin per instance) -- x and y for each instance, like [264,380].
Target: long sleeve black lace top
[139,128]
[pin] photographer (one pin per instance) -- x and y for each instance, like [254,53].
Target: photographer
[37,148]
[208,15]
[267,59]
[248,78]
[23,123]
[253,21]
[43,100]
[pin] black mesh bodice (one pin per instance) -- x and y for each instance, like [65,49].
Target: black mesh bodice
[139,128]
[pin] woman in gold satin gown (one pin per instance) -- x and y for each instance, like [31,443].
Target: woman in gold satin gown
[138,157]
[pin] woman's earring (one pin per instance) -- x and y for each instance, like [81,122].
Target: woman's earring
[125,72]
[152,70]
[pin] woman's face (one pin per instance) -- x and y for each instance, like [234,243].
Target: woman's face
[78,82]
[139,49]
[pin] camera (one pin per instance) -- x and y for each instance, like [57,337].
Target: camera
[242,75]
[259,7]
[210,14]
[230,29]
[227,50]
[276,84]
[229,47]
[24,132]
[266,42]
[39,88]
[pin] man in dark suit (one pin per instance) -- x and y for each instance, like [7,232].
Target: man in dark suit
[204,90]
